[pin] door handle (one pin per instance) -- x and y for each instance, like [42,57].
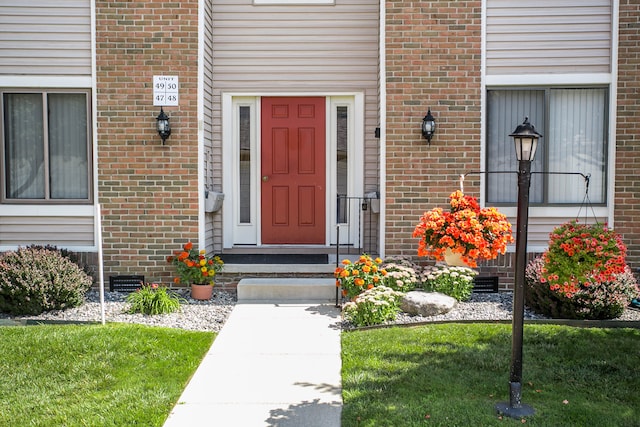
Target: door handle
[265,178]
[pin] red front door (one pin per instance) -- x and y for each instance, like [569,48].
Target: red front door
[293,170]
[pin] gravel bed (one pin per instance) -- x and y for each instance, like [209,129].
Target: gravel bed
[194,315]
[484,306]
[211,315]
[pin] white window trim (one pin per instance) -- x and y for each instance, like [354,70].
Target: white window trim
[247,233]
[91,145]
[354,168]
[56,82]
[292,2]
[547,80]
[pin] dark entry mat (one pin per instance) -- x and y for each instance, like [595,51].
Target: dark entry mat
[275,258]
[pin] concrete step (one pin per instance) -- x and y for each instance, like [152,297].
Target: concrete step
[286,289]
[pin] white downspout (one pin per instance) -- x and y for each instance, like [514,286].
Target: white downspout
[382,83]
[202,244]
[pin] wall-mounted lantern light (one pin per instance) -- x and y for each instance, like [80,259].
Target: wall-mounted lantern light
[428,126]
[163,125]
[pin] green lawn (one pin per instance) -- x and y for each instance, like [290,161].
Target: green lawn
[454,374]
[79,375]
[434,375]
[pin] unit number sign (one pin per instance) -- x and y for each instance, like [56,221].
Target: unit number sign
[165,91]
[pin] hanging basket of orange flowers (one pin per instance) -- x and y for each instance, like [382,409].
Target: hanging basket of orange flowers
[466,229]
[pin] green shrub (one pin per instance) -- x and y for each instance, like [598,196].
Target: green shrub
[35,279]
[582,275]
[457,282]
[401,274]
[372,307]
[153,299]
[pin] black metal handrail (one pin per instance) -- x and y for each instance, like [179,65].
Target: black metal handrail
[365,224]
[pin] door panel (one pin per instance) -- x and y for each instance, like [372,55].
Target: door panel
[293,170]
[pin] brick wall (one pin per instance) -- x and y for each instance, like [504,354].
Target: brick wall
[433,54]
[148,192]
[627,187]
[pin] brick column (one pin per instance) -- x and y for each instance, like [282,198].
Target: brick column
[433,54]
[148,192]
[627,186]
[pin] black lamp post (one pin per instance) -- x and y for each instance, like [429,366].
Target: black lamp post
[526,142]
[163,126]
[428,126]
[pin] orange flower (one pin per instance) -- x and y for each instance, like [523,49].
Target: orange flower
[467,229]
[355,277]
[194,266]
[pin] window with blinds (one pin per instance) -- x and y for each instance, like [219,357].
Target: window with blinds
[573,122]
[46,146]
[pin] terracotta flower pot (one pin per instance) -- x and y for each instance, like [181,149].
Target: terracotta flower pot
[201,292]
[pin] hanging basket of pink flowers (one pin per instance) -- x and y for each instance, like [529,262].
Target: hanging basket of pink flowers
[466,229]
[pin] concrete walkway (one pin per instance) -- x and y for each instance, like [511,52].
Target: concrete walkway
[273,364]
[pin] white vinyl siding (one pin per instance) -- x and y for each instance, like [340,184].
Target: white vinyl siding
[540,226]
[45,37]
[61,231]
[212,154]
[313,48]
[548,36]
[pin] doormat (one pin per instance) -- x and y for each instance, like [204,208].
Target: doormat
[275,258]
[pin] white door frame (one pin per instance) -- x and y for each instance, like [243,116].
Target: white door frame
[235,233]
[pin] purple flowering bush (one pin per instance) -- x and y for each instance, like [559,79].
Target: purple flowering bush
[35,279]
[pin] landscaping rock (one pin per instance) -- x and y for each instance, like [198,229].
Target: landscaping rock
[427,303]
